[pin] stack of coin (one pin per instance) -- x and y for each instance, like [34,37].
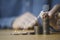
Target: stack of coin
[46,23]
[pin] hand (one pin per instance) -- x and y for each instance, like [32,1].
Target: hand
[53,16]
[25,21]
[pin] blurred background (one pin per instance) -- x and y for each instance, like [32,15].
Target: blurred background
[10,9]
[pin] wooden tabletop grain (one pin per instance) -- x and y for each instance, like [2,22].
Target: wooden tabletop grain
[5,35]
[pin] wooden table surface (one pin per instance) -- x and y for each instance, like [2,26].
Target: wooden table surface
[6,35]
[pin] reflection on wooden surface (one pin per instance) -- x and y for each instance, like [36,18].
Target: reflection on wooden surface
[5,35]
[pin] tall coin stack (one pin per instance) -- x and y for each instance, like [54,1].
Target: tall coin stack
[46,29]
